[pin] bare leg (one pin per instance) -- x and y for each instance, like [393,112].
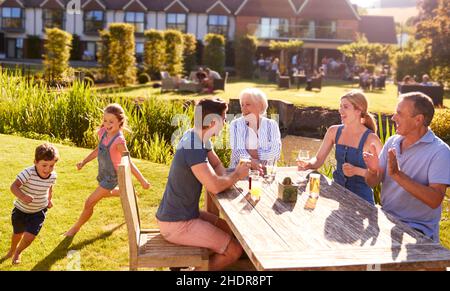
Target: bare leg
[26,241]
[231,255]
[15,239]
[88,210]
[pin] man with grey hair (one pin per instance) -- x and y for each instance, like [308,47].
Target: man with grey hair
[413,167]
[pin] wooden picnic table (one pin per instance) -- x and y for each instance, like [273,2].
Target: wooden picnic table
[343,232]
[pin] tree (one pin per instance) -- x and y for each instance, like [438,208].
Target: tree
[103,57]
[434,28]
[214,52]
[245,49]
[285,47]
[189,52]
[122,54]
[56,53]
[154,55]
[174,51]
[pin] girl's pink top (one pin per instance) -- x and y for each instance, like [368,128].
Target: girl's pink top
[115,154]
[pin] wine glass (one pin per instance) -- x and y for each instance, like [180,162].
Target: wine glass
[303,158]
[271,169]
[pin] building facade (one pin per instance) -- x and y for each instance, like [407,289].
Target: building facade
[323,25]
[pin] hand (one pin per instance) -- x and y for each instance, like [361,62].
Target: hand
[393,169]
[349,170]
[27,199]
[371,158]
[145,184]
[80,165]
[242,170]
[50,204]
[256,165]
[303,166]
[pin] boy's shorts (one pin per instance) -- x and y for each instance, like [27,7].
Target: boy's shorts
[199,232]
[27,222]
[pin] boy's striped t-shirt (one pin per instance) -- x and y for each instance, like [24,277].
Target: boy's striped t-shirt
[35,186]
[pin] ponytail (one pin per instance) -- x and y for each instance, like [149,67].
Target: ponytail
[370,122]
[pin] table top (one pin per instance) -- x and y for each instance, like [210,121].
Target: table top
[342,232]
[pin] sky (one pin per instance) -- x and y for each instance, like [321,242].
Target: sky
[364,3]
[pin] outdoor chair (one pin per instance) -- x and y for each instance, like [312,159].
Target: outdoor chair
[191,84]
[219,84]
[147,248]
[314,83]
[168,82]
[436,93]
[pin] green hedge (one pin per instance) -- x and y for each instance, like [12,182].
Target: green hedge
[154,56]
[174,51]
[214,52]
[245,53]
[56,53]
[122,54]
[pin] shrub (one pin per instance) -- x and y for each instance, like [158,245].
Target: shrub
[441,74]
[122,54]
[143,78]
[103,57]
[441,124]
[214,52]
[189,53]
[245,53]
[154,56]
[56,53]
[174,51]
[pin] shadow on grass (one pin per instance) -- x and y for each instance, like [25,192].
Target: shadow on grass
[61,251]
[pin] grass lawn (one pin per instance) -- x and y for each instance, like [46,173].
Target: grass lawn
[102,244]
[379,101]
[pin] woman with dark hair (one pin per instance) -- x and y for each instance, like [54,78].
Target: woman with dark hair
[195,164]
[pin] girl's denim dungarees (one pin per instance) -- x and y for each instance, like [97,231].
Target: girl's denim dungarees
[354,156]
[107,176]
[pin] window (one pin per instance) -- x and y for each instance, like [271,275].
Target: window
[176,21]
[94,21]
[14,48]
[139,48]
[137,19]
[325,29]
[53,18]
[13,18]
[218,24]
[274,27]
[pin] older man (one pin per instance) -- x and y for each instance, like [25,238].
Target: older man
[413,167]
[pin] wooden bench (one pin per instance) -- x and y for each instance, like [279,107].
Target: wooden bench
[148,249]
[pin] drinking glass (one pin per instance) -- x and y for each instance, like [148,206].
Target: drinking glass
[255,184]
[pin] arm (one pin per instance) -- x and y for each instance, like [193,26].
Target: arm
[375,171]
[89,158]
[214,183]
[50,196]
[350,170]
[15,189]
[134,170]
[324,150]
[216,163]
[432,194]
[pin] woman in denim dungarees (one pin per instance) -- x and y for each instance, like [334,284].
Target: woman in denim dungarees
[354,136]
[108,156]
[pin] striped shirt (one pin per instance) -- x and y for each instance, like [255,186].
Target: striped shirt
[35,186]
[267,142]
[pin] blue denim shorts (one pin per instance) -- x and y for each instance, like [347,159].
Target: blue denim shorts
[27,222]
[109,183]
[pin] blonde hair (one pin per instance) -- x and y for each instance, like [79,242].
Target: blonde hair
[256,95]
[359,101]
